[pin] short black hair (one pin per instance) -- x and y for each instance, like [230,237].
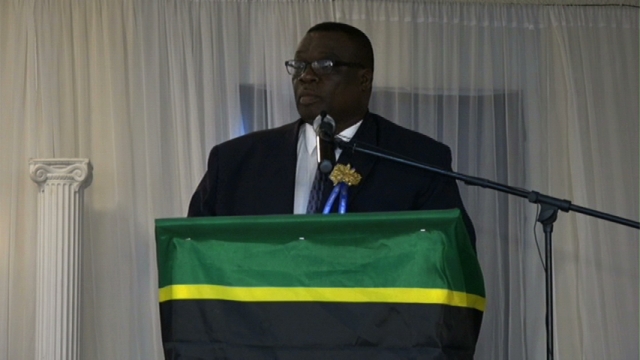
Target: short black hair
[355,34]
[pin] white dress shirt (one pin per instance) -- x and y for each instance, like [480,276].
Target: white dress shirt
[308,163]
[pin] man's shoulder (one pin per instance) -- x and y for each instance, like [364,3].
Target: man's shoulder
[263,138]
[396,135]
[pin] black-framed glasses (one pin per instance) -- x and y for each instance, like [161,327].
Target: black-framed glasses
[295,68]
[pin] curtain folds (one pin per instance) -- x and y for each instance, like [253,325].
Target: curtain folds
[543,98]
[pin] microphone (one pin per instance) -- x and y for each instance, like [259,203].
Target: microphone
[325,128]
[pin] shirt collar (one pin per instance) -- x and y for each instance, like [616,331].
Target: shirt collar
[310,135]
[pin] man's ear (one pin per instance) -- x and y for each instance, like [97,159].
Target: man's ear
[366,79]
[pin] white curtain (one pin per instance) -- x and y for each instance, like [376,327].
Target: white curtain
[538,97]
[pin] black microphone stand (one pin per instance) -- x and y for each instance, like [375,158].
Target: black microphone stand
[548,213]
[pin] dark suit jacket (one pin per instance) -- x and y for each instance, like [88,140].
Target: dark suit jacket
[255,174]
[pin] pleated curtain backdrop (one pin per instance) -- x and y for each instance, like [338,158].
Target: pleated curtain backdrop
[539,97]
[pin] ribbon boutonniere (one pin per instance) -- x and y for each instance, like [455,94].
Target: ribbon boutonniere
[342,176]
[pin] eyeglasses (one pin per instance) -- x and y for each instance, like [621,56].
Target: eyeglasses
[296,68]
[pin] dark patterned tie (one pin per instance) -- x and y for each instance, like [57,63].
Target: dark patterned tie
[315,196]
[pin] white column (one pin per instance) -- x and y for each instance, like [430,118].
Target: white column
[61,184]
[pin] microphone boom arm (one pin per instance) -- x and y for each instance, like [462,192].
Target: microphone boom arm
[533,196]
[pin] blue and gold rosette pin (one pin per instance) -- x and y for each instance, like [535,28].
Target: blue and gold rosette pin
[342,176]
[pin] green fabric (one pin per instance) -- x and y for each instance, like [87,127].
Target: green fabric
[426,249]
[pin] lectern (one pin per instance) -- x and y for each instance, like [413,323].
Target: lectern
[403,285]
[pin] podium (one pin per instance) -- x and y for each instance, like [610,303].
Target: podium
[403,285]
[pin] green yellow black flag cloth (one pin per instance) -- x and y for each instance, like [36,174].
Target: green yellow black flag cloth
[355,286]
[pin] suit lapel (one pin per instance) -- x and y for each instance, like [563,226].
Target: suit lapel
[363,163]
[283,189]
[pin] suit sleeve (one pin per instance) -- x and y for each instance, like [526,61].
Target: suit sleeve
[203,200]
[443,193]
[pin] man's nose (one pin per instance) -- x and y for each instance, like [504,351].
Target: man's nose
[308,75]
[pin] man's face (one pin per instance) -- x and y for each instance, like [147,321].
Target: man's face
[343,93]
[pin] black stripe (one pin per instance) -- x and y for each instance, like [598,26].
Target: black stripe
[230,352]
[197,329]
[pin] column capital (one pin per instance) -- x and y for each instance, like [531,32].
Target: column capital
[77,171]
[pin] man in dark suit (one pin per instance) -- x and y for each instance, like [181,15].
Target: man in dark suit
[272,171]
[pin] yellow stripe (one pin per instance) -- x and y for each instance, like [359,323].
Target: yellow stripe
[347,295]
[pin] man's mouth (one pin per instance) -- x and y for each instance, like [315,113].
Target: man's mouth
[308,99]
